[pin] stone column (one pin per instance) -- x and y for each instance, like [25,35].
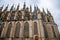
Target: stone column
[30,29]
[42,30]
[13,29]
[39,30]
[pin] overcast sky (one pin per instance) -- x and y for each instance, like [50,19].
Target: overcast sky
[52,5]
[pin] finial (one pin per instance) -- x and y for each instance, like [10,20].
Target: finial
[48,12]
[1,7]
[18,7]
[43,10]
[30,8]
[12,7]
[35,8]
[24,5]
[27,9]
[38,9]
[6,7]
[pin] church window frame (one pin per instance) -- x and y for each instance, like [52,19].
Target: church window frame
[35,28]
[26,30]
[17,30]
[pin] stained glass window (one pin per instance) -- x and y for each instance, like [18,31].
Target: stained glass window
[26,30]
[35,28]
[17,30]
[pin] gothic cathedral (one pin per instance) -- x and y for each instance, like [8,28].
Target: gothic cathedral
[27,25]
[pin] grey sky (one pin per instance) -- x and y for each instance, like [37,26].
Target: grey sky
[52,5]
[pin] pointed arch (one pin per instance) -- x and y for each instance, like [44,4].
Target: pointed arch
[35,28]
[26,29]
[9,29]
[17,30]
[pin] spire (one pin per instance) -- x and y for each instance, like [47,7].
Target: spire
[30,8]
[1,7]
[38,9]
[6,8]
[43,10]
[27,9]
[35,8]
[12,7]
[24,6]
[18,7]
[48,11]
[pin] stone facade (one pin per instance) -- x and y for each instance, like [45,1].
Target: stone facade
[27,25]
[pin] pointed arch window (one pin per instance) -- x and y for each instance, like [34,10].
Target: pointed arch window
[1,28]
[9,29]
[35,28]
[26,30]
[53,32]
[17,30]
[45,32]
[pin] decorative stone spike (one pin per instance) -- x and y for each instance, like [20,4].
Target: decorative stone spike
[12,7]
[24,6]
[6,8]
